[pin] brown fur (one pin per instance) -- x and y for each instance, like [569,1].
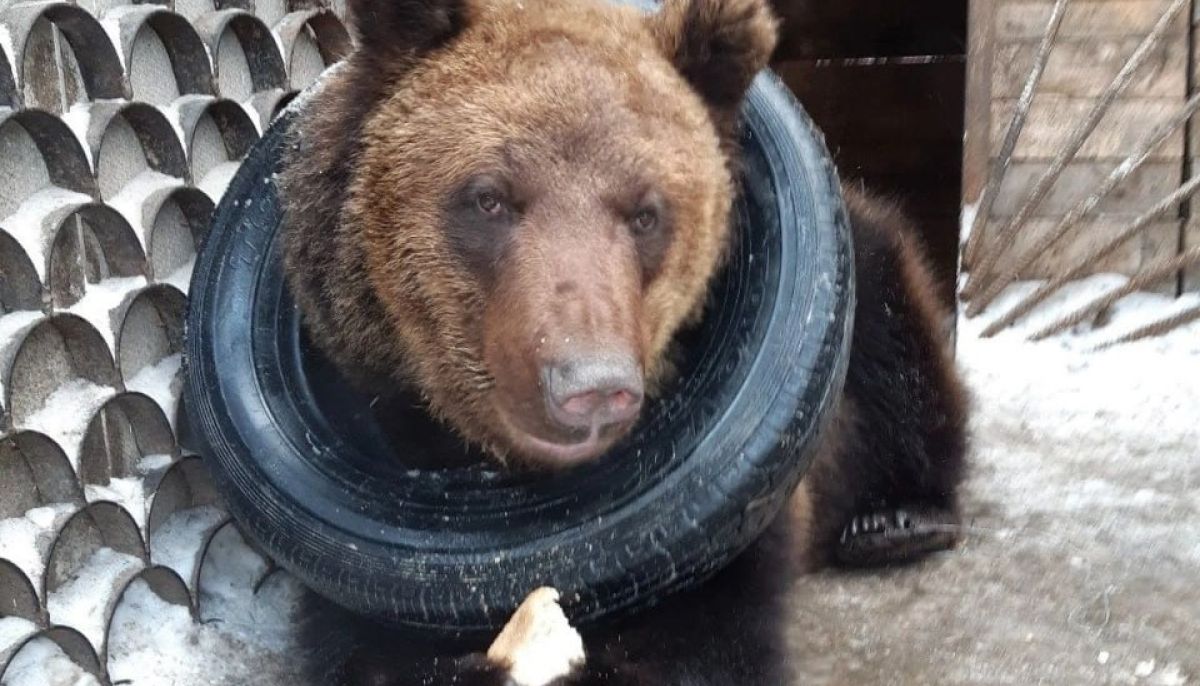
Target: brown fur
[580,107]
[586,104]
[898,438]
[897,442]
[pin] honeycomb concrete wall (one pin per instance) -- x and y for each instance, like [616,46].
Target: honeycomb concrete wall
[120,126]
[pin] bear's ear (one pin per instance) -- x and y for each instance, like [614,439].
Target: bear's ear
[397,27]
[718,45]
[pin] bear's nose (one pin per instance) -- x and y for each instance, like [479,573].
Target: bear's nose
[593,391]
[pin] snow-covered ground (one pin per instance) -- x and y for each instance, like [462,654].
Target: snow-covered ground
[1081,560]
[242,633]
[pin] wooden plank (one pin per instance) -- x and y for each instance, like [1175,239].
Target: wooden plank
[1083,68]
[1146,186]
[1096,38]
[1189,230]
[1194,130]
[924,194]
[881,103]
[898,128]
[1094,19]
[1191,239]
[858,159]
[1119,133]
[977,118]
[1157,241]
[870,28]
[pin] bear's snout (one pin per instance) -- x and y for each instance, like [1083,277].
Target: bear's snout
[593,391]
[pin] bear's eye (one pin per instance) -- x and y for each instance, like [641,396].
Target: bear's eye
[645,220]
[489,202]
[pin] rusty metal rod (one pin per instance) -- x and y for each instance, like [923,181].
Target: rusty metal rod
[1029,302]
[1085,206]
[999,166]
[1154,274]
[1158,328]
[979,275]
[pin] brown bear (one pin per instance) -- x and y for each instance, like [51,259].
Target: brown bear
[512,207]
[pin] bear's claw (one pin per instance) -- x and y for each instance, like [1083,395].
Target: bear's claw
[891,536]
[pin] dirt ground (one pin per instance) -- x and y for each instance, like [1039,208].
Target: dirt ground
[1081,564]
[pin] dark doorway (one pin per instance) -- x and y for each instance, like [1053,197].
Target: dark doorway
[885,81]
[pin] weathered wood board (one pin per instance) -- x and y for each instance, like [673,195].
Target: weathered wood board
[1094,41]
[1190,238]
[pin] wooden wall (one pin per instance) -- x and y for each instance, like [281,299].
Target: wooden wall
[885,82]
[1190,238]
[1095,39]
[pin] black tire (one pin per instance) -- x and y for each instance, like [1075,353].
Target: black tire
[306,472]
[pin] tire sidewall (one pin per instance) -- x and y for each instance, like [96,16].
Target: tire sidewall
[695,521]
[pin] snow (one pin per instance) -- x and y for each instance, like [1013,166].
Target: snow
[66,414]
[1144,391]
[78,118]
[1171,675]
[1135,401]
[132,197]
[1126,315]
[101,298]
[128,492]
[154,463]
[248,629]
[25,541]
[6,45]
[182,278]
[155,643]
[967,222]
[152,641]
[81,601]
[13,629]
[162,382]
[256,117]
[13,322]
[25,225]
[231,572]
[12,326]
[1084,470]
[42,663]
[112,28]
[176,542]
[217,179]
[171,112]
[1090,457]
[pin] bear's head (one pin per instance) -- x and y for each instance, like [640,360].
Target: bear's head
[515,205]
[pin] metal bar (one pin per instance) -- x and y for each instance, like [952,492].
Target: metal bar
[1157,328]
[1026,305]
[999,166]
[979,275]
[1085,206]
[897,60]
[1145,278]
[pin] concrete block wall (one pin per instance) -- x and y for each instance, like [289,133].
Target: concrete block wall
[120,126]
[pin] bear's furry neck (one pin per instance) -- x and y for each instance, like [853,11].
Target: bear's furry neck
[325,269]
